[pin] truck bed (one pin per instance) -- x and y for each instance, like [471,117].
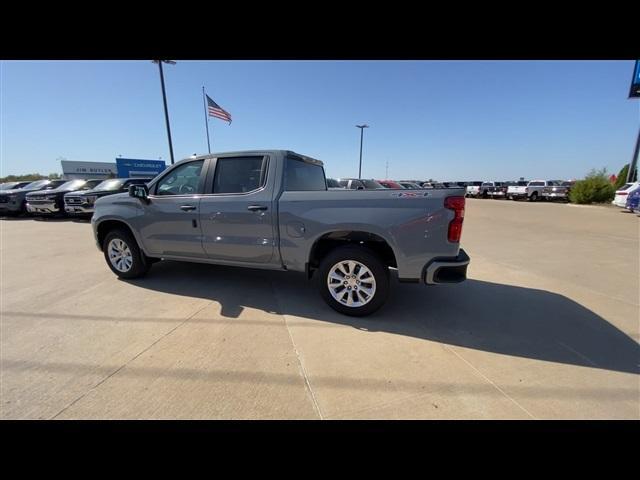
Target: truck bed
[413,222]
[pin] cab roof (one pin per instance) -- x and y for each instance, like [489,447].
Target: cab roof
[242,153]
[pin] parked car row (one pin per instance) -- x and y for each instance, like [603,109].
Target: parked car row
[371,184]
[60,197]
[521,190]
[628,197]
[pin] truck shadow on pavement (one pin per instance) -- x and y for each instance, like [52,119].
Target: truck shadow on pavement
[491,317]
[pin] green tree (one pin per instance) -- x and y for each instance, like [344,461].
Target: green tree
[594,188]
[22,178]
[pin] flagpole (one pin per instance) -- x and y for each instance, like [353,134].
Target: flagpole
[206,120]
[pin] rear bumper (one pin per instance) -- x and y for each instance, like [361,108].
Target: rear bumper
[553,195]
[447,269]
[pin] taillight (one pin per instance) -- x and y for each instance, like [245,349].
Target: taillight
[622,193]
[455,226]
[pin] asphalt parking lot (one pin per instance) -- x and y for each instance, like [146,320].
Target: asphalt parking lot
[546,327]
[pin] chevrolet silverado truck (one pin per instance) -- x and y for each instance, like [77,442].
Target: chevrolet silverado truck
[14,201]
[472,189]
[557,190]
[532,191]
[80,204]
[272,209]
[51,202]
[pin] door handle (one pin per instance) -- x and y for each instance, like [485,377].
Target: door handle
[255,208]
[187,208]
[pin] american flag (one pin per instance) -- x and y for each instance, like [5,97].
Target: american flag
[217,111]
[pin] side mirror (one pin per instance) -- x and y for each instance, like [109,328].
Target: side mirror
[139,191]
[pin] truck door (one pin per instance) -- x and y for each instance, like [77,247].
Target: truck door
[236,213]
[169,225]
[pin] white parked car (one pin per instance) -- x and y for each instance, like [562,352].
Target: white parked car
[620,200]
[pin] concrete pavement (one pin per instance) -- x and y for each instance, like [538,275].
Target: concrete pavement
[547,326]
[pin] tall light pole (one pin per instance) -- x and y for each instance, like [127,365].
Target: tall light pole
[164,99]
[361,127]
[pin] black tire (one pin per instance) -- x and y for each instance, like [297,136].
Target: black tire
[140,262]
[533,197]
[367,258]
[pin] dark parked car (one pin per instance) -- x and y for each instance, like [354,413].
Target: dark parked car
[483,191]
[557,190]
[13,201]
[13,185]
[81,203]
[51,202]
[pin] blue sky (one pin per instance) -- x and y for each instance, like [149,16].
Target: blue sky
[447,120]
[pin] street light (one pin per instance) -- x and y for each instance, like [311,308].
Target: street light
[361,127]
[164,99]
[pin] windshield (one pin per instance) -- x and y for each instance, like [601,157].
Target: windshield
[487,184]
[89,184]
[72,185]
[113,184]
[36,185]
[8,186]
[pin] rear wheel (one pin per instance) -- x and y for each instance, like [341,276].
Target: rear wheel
[123,255]
[353,280]
[533,197]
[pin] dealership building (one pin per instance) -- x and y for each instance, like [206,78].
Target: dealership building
[71,170]
[121,168]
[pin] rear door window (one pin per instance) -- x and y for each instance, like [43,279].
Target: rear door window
[240,174]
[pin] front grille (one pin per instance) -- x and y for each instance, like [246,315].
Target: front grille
[4,199]
[72,200]
[35,197]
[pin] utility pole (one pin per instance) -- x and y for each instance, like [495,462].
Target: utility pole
[634,92]
[631,173]
[164,99]
[361,127]
[386,175]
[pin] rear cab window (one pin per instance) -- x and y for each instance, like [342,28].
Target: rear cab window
[302,176]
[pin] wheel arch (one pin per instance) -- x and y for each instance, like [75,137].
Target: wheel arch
[328,241]
[108,225]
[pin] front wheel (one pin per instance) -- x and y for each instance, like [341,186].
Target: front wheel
[353,281]
[123,255]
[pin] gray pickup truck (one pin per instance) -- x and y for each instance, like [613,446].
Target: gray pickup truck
[272,209]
